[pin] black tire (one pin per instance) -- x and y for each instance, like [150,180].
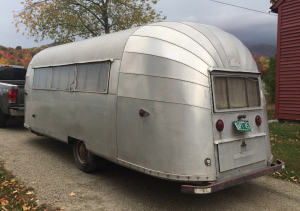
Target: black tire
[85,160]
[3,119]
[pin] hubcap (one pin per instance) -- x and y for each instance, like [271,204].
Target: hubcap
[82,152]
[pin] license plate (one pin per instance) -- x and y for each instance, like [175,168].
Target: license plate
[243,126]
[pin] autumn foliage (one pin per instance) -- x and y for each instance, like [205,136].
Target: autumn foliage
[262,65]
[18,56]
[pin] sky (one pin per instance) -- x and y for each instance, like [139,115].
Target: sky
[252,28]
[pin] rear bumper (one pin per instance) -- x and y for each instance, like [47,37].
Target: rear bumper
[16,111]
[214,187]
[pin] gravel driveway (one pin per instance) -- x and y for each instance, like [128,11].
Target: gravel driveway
[47,165]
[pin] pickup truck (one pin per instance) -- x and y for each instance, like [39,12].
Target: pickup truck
[12,82]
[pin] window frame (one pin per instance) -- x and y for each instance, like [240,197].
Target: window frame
[73,89]
[242,75]
[108,63]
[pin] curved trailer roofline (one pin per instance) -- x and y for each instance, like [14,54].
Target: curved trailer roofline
[197,42]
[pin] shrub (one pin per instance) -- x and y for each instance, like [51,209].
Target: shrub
[20,56]
[19,48]
[1,55]
[19,64]
[270,80]
[11,52]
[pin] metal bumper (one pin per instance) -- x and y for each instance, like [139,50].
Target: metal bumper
[214,187]
[17,111]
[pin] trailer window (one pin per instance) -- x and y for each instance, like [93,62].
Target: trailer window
[92,77]
[41,78]
[236,92]
[63,77]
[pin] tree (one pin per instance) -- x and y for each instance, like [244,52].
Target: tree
[262,65]
[20,56]
[32,53]
[11,62]
[3,61]
[1,55]
[19,64]
[273,1]
[66,20]
[270,80]
[19,48]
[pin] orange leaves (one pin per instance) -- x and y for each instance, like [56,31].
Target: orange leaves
[3,202]
[72,194]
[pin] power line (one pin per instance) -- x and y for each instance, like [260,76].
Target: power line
[243,8]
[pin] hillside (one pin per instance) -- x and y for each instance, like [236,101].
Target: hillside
[19,56]
[262,50]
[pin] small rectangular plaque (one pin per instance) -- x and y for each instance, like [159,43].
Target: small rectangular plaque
[243,126]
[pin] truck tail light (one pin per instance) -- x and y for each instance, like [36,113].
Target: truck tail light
[13,96]
[258,120]
[220,125]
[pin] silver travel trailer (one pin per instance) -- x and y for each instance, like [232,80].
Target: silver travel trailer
[181,101]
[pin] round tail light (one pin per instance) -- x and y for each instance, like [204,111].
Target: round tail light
[258,120]
[220,125]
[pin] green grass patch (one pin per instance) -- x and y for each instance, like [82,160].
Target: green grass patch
[285,145]
[15,196]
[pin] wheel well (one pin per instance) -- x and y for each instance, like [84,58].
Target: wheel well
[71,140]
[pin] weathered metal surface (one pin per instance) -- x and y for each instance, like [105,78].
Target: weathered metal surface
[213,187]
[95,49]
[165,69]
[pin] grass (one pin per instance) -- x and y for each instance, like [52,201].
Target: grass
[285,145]
[271,111]
[15,196]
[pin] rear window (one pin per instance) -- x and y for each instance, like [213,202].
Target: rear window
[236,92]
[10,73]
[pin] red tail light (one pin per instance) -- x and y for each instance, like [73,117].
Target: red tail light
[220,125]
[258,120]
[13,96]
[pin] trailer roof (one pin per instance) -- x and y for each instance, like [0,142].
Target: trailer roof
[209,44]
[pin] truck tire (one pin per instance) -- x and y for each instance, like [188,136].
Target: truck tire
[3,119]
[85,160]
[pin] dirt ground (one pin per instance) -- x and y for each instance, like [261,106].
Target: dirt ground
[47,165]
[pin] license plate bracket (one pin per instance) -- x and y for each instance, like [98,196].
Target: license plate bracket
[243,126]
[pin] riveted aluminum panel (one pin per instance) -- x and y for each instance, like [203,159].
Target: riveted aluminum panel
[151,46]
[86,116]
[233,155]
[163,90]
[213,39]
[196,35]
[143,64]
[177,38]
[173,139]
[114,77]
[243,55]
[109,46]
[228,44]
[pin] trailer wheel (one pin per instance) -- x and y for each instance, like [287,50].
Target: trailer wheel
[85,160]
[3,119]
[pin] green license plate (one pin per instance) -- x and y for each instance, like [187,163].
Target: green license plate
[243,126]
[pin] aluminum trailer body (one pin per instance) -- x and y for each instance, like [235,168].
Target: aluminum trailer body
[150,99]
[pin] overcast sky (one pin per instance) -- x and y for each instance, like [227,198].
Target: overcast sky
[250,27]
